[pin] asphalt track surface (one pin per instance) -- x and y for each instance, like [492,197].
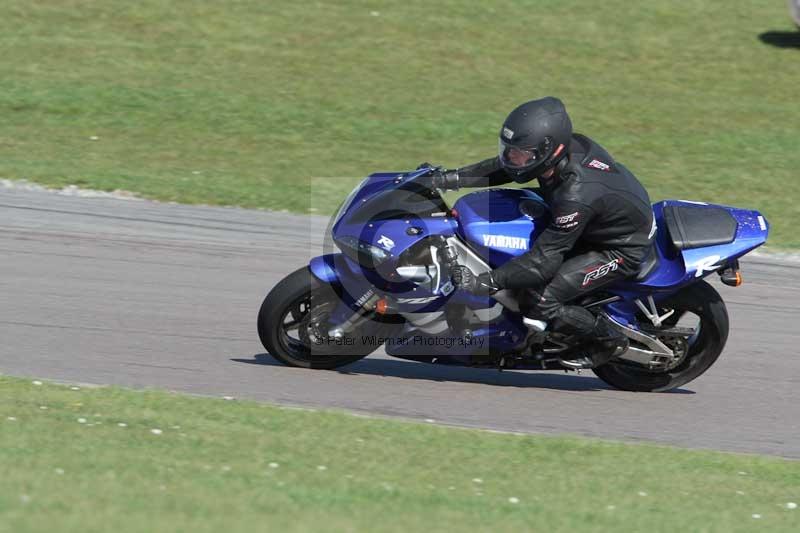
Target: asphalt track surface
[150,295]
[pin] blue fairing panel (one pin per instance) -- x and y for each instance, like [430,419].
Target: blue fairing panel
[500,224]
[323,267]
[678,268]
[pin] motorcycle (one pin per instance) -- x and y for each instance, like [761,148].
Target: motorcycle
[390,286]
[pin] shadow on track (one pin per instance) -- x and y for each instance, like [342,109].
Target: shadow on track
[443,373]
[781,39]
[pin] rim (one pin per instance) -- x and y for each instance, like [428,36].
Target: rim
[303,328]
[292,321]
[683,346]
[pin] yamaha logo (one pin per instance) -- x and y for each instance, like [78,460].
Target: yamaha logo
[503,241]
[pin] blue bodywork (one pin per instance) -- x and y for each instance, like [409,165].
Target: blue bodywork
[492,223]
[391,213]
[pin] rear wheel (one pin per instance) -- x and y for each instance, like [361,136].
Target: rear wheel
[293,325]
[698,306]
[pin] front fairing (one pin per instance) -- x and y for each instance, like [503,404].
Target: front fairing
[387,195]
[386,206]
[393,212]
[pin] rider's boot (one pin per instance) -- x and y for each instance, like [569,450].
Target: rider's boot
[603,345]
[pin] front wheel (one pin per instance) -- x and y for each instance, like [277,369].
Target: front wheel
[704,304]
[294,320]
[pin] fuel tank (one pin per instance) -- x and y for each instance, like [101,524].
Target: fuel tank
[499,224]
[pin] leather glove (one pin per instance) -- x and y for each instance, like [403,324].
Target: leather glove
[480,285]
[441,178]
[445,179]
[448,180]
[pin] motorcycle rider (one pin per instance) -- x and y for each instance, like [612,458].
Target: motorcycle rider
[601,232]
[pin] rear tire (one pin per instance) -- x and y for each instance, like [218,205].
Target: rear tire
[702,300]
[302,299]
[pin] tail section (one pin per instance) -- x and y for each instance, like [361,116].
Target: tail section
[695,239]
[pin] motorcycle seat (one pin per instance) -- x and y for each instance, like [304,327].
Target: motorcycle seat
[696,226]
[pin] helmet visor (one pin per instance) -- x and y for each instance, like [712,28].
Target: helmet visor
[522,158]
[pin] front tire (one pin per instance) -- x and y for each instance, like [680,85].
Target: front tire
[301,302]
[700,299]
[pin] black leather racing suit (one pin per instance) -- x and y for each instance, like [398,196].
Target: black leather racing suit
[602,229]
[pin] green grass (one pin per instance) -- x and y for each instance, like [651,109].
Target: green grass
[243,102]
[210,471]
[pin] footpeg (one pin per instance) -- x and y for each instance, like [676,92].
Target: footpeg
[582,363]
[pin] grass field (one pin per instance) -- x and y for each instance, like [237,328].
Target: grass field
[243,102]
[230,466]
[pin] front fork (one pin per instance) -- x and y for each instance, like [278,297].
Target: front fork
[355,319]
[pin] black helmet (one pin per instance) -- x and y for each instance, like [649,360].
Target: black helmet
[534,138]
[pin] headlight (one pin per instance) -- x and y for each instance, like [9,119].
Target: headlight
[364,253]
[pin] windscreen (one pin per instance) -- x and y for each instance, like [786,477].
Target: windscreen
[413,197]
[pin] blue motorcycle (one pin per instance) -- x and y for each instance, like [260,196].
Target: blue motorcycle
[389,286]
